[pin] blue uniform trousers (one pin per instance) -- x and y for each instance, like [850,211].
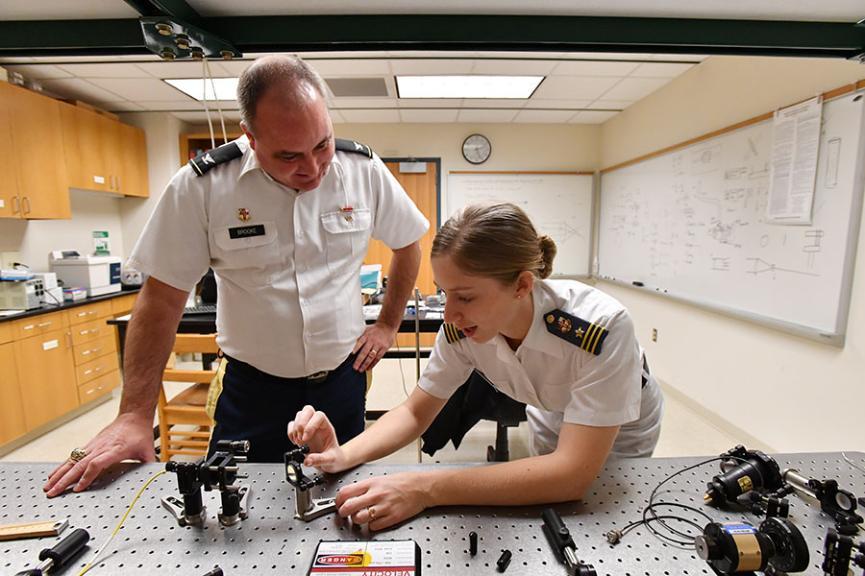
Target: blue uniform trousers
[257,406]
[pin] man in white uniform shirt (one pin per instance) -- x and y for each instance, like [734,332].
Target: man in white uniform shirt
[283,215]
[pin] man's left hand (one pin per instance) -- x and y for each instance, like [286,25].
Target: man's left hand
[372,345]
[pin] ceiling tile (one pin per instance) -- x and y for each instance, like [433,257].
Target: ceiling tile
[634,88]
[544,116]
[351,67]
[188,104]
[486,116]
[370,116]
[39,72]
[105,70]
[592,117]
[660,70]
[140,90]
[431,67]
[610,104]
[362,102]
[494,102]
[235,67]
[123,106]
[429,102]
[183,69]
[79,89]
[428,115]
[573,87]
[201,117]
[594,68]
[527,67]
[561,104]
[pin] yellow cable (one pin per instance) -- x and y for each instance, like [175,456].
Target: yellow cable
[120,524]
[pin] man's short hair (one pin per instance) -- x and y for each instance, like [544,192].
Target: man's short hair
[269,71]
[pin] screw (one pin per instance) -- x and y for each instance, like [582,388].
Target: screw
[504,560]
[164,29]
[473,543]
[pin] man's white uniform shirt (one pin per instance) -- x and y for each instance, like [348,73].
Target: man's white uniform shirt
[556,379]
[289,297]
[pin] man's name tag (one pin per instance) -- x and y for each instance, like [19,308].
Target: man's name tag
[246,231]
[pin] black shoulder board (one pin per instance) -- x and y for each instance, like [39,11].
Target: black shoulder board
[575,330]
[225,153]
[344,145]
[452,334]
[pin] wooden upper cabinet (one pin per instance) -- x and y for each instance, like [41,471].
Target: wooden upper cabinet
[104,154]
[88,148]
[10,200]
[38,152]
[132,179]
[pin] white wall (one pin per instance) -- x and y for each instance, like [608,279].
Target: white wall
[34,239]
[793,394]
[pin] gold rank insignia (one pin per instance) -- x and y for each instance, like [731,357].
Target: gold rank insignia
[587,335]
[452,334]
[243,214]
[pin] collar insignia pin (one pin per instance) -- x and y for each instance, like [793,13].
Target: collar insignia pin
[243,214]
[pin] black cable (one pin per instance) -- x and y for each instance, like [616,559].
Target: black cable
[673,536]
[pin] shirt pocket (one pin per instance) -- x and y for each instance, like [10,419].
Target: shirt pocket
[346,235]
[250,260]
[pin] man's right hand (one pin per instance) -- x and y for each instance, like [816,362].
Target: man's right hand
[129,437]
[311,427]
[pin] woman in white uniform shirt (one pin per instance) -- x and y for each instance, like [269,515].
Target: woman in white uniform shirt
[564,348]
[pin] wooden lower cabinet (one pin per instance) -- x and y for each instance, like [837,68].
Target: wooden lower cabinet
[46,375]
[98,387]
[11,410]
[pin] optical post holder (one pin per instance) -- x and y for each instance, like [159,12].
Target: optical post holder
[306,507]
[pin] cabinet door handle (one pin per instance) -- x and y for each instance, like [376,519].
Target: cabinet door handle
[16,204]
[98,369]
[80,314]
[25,203]
[45,324]
[117,179]
[29,327]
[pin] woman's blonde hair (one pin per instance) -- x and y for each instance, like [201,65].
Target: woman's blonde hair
[495,241]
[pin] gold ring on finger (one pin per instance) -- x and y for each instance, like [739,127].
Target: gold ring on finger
[78,454]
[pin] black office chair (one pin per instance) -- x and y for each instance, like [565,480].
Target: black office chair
[475,400]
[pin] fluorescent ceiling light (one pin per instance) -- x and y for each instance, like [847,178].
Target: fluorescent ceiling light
[226,88]
[467,86]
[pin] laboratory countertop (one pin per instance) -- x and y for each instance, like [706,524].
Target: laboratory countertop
[47,308]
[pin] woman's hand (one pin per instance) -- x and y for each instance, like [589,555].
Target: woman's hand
[311,427]
[385,500]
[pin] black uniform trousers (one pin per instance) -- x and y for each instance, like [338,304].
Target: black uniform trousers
[257,406]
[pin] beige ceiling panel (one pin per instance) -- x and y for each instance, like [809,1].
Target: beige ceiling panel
[634,88]
[188,104]
[429,102]
[544,116]
[183,69]
[201,117]
[486,116]
[105,70]
[431,67]
[428,115]
[527,67]
[494,102]
[660,70]
[370,116]
[79,89]
[592,117]
[573,87]
[594,68]
[610,104]
[64,9]
[362,102]
[351,67]
[140,90]
[123,106]
[39,72]
[561,104]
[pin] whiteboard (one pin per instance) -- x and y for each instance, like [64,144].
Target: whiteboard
[559,205]
[692,224]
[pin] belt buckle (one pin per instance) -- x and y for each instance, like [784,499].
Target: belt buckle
[317,377]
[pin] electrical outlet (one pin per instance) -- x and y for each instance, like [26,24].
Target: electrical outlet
[8,259]
[654,334]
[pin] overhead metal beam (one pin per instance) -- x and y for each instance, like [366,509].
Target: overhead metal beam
[448,33]
[178,9]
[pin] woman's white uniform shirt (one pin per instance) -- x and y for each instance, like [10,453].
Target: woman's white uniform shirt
[555,377]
